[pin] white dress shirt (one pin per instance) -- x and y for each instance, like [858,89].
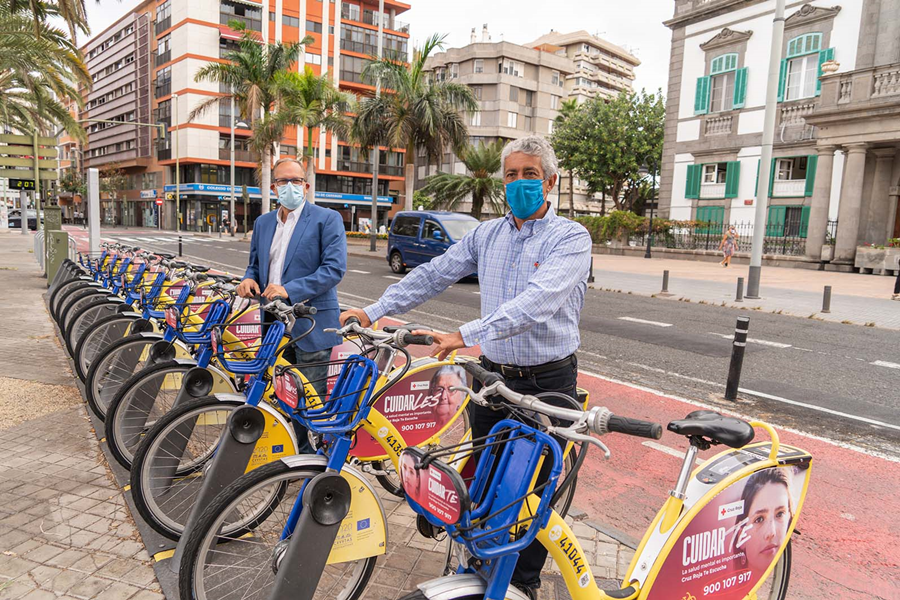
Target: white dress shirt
[280,241]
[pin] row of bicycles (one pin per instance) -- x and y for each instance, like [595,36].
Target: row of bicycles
[199,403]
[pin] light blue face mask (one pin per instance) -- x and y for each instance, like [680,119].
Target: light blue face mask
[291,196]
[525,197]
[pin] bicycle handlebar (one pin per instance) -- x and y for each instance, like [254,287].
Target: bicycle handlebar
[400,336]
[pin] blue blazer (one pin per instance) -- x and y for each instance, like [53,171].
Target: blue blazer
[314,264]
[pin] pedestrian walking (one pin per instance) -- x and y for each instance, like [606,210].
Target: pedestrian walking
[299,253]
[532,267]
[226,225]
[728,245]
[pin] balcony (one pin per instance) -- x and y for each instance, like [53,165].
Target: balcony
[163,90]
[163,58]
[719,125]
[712,190]
[351,76]
[239,155]
[793,188]
[163,25]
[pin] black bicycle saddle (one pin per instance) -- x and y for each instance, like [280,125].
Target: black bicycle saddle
[712,428]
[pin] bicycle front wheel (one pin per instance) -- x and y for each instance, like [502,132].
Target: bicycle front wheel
[85,319]
[114,367]
[216,566]
[99,338]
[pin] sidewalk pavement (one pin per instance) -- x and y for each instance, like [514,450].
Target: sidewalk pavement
[65,526]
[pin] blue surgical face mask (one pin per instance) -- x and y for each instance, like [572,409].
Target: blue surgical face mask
[291,196]
[525,197]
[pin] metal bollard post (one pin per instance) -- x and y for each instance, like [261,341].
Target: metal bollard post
[179,245]
[826,300]
[591,274]
[737,358]
[665,287]
[739,297]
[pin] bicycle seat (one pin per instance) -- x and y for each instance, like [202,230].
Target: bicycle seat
[200,268]
[164,256]
[713,428]
[224,278]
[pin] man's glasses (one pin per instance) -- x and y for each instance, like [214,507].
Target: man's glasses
[295,181]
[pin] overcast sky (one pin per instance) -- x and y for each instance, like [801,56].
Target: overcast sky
[633,24]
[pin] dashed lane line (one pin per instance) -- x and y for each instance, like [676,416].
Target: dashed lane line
[729,336]
[670,451]
[645,322]
[394,277]
[358,271]
[882,363]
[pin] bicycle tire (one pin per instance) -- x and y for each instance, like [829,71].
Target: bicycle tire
[138,404]
[77,310]
[82,322]
[63,290]
[420,595]
[169,521]
[73,301]
[102,383]
[98,338]
[207,531]
[780,577]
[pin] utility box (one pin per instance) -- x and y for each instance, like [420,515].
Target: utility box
[57,251]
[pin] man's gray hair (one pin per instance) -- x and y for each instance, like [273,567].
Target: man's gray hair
[533,145]
[282,161]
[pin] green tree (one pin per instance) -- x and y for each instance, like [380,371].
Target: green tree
[565,147]
[250,74]
[480,183]
[112,180]
[415,111]
[311,101]
[71,181]
[605,143]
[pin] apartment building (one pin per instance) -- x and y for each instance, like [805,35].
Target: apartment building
[836,167]
[171,40]
[602,69]
[519,89]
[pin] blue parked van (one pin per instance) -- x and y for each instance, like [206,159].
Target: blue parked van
[418,236]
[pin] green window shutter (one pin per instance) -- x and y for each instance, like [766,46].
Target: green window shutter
[758,169]
[824,57]
[772,178]
[782,80]
[740,87]
[775,221]
[701,99]
[804,221]
[732,178]
[717,217]
[692,185]
[812,162]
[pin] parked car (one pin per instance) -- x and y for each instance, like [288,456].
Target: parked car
[418,236]
[15,219]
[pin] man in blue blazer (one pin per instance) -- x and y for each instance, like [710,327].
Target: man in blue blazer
[299,253]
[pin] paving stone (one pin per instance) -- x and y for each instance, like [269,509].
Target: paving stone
[13,566]
[92,563]
[67,558]
[12,589]
[12,538]
[148,595]
[89,587]
[39,595]
[66,580]
[118,591]
[43,575]
[26,547]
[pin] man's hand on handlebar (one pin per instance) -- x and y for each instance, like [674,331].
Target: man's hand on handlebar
[248,289]
[275,291]
[446,343]
[358,314]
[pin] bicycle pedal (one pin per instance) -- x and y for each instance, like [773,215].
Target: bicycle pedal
[426,529]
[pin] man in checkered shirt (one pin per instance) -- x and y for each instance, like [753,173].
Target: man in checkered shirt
[532,267]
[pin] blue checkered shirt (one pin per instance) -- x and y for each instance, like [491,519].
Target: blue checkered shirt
[532,281]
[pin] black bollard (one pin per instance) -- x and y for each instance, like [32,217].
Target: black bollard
[737,358]
[739,297]
[591,274]
[826,300]
[179,245]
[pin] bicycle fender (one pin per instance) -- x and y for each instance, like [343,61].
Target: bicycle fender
[363,531]
[462,586]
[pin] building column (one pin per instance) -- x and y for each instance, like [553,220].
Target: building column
[851,201]
[878,206]
[818,211]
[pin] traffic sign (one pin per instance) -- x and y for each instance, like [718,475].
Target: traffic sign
[170,196]
[159,201]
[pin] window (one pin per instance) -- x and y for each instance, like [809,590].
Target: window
[313,27]
[479,65]
[529,98]
[512,119]
[314,59]
[476,91]
[554,102]
[713,180]
[725,88]
[714,173]
[163,16]
[586,48]
[555,79]
[290,21]
[164,82]
[164,44]
[513,94]
[802,75]
[527,123]
[802,67]
[430,228]
[352,11]
[408,226]
[550,126]
[512,67]
[454,71]
[790,169]
[722,94]
[231,10]
[476,119]
[287,150]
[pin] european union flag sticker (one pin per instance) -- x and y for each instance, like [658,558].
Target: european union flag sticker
[278,448]
[363,524]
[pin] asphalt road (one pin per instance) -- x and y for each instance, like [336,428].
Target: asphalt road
[836,381]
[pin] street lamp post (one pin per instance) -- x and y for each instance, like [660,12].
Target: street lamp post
[643,172]
[234,123]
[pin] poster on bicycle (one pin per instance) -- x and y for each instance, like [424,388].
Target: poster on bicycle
[419,406]
[731,543]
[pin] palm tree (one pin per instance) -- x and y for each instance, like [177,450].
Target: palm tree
[71,11]
[250,74]
[311,101]
[566,111]
[482,162]
[414,111]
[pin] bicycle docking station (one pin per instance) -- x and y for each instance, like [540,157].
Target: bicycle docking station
[326,501]
[244,428]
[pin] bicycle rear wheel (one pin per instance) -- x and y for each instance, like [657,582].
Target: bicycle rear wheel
[85,319]
[216,566]
[169,464]
[775,587]
[140,402]
[77,300]
[99,338]
[116,365]
[57,296]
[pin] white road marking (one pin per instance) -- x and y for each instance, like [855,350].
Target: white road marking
[477,293]
[244,251]
[645,322]
[393,277]
[670,451]
[889,365]
[125,239]
[728,336]
[358,271]
[821,409]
